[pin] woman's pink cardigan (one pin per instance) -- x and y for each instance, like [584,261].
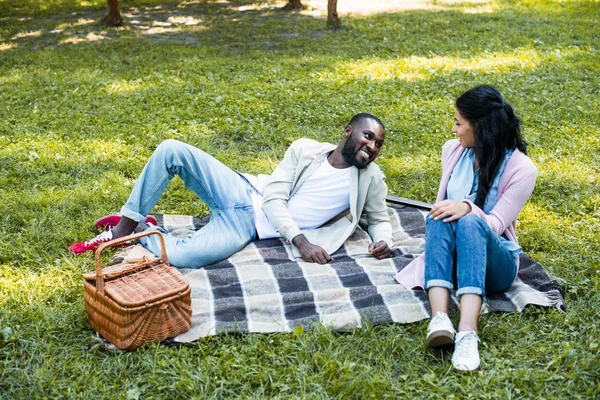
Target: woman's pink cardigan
[515,187]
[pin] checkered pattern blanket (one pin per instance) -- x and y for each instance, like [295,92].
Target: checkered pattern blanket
[263,288]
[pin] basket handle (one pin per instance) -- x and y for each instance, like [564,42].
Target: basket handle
[100,278]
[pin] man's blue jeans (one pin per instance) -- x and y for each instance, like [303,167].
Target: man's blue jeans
[227,194]
[466,255]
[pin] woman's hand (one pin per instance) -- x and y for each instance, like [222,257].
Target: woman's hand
[450,210]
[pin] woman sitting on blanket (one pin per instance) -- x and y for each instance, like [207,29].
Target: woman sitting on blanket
[470,241]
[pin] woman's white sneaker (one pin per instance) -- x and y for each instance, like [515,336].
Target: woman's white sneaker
[441,331]
[466,352]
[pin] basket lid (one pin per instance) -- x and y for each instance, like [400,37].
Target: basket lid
[122,268]
[144,287]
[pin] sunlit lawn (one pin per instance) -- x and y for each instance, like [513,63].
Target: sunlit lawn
[82,108]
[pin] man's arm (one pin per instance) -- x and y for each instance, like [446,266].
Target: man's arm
[276,193]
[378,220]
[275,196]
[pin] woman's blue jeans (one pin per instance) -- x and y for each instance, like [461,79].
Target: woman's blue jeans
[466,255]
[227,194]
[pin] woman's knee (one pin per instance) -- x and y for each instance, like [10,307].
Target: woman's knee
[470,222]
[430,222]
[436,227]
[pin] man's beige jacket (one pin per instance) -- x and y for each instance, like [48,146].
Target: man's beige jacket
[367,192]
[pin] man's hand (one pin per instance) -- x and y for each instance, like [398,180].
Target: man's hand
[309,251]
[380,250]
[451,209]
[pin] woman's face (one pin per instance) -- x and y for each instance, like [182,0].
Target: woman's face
[463,130]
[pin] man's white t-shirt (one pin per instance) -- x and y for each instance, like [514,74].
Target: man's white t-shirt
[325,194]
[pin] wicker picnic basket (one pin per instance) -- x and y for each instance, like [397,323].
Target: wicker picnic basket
[137,301]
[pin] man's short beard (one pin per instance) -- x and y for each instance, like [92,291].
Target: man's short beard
[349,155]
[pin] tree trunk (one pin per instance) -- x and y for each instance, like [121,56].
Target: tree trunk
[293,5]
[332,16]
[114,14]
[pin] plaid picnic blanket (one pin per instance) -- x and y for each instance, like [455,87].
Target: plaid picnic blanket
[263,288]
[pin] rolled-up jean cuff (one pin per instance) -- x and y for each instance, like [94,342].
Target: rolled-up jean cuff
[132,215]
[438,283]
[469,290]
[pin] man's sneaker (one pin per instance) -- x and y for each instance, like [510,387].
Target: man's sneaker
[466,354]
[440,332]
[110,221]
[92,245]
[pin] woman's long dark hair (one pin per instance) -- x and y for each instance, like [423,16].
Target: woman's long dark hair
[497,129]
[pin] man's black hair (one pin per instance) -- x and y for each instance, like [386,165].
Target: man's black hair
[360,116]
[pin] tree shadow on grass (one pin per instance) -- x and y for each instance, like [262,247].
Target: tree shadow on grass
[247,25]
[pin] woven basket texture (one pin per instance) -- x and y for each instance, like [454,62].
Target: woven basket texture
[130,304]
[130,328]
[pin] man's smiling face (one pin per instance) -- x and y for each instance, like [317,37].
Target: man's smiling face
[364,141]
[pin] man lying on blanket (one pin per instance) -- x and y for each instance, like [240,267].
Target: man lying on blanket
[314,199]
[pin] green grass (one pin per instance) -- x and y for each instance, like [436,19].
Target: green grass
[83,107]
